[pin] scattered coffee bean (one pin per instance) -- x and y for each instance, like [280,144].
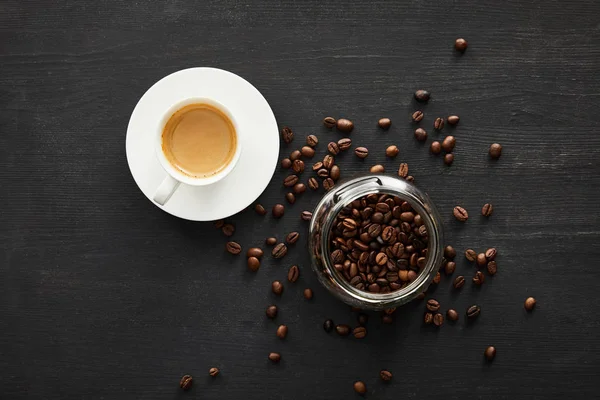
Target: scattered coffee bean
[290,198]
[435,147]
[420,296]
[438,124]
[233,248]
[306,215]
[228,229]
[361,152]
[492,268]
[452,315]
[295,155]
[422,96]
[390,311]
[460,214]
[287,135]
[298,166]
[312,140]
[307,151]
[362,319]
[487,210]
[428,318]
[392,151]
[385,123]
[260,209]
[437,279]
[342,330]
[473,312]
[329,122]
[460,44]
[453,119]
[495,151]
[323,173]
[479,278]
[490,353]
[286,163]
[277,287]
[299,188]
[308,294]
[333,148]
[278,210]
[449,252]
[420,134]
[219,223]
[530,303]
[491,253]
[403,170]
[344,125]
[186,382]
[328,325]
[344,144]
[448,144]
[449,267]
[334,173]
[213,372]
[448,159]
[271,241]
[459,282]
[377,169]
[293,273]
[317,166]
[328,161]
[438,319]
[275,357]
[360,387]
[359,332]
[272,311]
[279,250]
[253,264]
[481,260]
[328,184]
[432,305]
[282,331]
[385,375]
[313,183]
[254,252]
[470,255]
[290,180]
[417,116]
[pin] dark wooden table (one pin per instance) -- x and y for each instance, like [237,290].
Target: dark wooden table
[102,295]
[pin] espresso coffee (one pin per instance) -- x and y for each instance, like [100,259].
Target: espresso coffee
[199,140]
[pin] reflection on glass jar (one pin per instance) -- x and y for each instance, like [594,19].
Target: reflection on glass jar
[359,293]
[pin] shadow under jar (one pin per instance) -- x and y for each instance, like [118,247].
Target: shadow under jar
[323,231]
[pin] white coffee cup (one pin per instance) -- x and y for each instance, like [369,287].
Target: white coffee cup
[174,176]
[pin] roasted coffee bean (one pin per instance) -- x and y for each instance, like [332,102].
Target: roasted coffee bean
[384,123]
[307,151]
[290,198]
[323,173]
[313,183]
[428,319]
[422,96]
[333,148]
[438,319]
[435,147]
[377,169]
[186,382]
[328,184]
[481,260]
[420,134]
[254,252]
[286,163]
[359,332]
[277,287]
[460,44]
[449,267]
[495,151]
[329,122]
[448,159]
[306,215]
[403,170]
[295,155]
[260,210]
[385,375]
[278,210]
[272,311]
[361,152]
[312,140]
[417,116]
[344,144]
[492,268]
[299,188]
[342,330]
[279,250]
[473,312]
[282,331]
[490,353]
[460,214]
[449,252]
[293,273]
[438,124]
[437,279]
[392,151]
[290,180]
[363,319]
[530,303]
[298,166]
[479,278]
[308,294]
[453,119]
[253,264]
[233,248]
[219,224]
[470,255]
[275,357]
[292,237]
[317,166]
[448,144]
[452,315]
[344,125]
[487,210]
[271,241]
[328,325]
[360,387]
[328,161]
[490,254]
[334,173]
[228,229]
[432,305]
[459,282]
[387,319]
[287,135]
[213,372]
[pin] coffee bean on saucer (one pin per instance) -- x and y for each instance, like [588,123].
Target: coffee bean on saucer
[452,315]
[460,214]
[186,382]
[377,169]
[403,170]
[448,159]
[292,237]
[253,264]
[428,318]
[344,125]
[392,151]
[333,148]
[344,144]
[287,135]
[228,229]
[290,180]
[306,215]
[479,278]
[260,209]
[290,198]
[490,353]
[417,116]
[312,140]
[334,173]
[275,357]
[438,124]
[481,260]
[254,252]
[328,184]
[279,250]
[449,252]
[385,123]
[360,387]
[272,312]
[308,294]
[459,282]
[530,303]
[435,147]
[308,151]
[453,119]
[295,155]
[282,331]
[342,330]
[233,248]
[487,210]
[286,163]
[213,371]
[277,287]
[293,273]
[361,152]
[359,332]
[278,210]
[298,166]
[328,161]
[420,134]
[492,268]
[460,44]
[329,122]
[438,319]
[422,96]
[473,312]
[299,188]
[313,183]
[495,151]
[271,241]
[328,325]
[385,375]
[470,255]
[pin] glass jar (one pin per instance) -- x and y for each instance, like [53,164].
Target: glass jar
[324,216]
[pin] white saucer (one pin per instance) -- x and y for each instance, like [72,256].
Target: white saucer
[258,134]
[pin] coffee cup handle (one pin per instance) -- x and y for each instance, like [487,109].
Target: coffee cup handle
[166,190]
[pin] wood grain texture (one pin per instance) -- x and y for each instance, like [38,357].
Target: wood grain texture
[104,296]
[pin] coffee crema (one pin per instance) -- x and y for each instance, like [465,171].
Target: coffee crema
[199,140]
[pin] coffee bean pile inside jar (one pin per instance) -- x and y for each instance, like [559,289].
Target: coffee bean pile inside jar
[379,243]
